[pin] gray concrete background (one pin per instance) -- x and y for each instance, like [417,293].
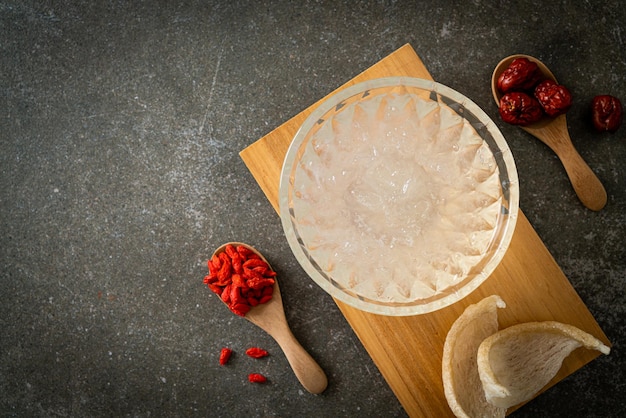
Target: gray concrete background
[120,127]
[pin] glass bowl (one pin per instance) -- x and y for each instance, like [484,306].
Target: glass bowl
[398,196]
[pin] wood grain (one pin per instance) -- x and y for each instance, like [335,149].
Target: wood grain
[408,350]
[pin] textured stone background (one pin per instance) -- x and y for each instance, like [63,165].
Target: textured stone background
[120,127]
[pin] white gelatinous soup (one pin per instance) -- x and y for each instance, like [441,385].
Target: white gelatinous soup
[397,198]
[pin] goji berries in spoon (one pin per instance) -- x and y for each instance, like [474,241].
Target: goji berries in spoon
[270,316]
[240,277]
[553,132]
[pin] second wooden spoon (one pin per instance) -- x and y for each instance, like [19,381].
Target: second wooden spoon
[553,132]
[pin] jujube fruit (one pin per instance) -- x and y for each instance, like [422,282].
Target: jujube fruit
[554,98]
[521,74]
[606,113]
[519,108]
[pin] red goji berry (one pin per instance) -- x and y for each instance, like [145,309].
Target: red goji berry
[236,297]
[224,273]
[256,352]
[238,264]
[265,299]
[239,281]
[240,309]
[216,262]
[246,253]
[225,355]
[226,293]
[264,271]
[254,262]
[256,283]
[269,273]
[257,378]
[215,288]
[230,250]
[249,274]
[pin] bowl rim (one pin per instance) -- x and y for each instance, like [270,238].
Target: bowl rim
[511,210]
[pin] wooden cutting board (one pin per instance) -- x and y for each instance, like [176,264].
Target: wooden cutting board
[408,350]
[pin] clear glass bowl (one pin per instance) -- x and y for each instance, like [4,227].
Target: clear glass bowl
[398,196]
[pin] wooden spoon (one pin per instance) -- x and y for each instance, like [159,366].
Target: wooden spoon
[271,318]
[553,132]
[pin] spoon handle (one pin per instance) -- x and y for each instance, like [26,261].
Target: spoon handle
[271,318]
[586,184]
[306,369]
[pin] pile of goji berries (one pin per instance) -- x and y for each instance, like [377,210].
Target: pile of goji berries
[254,352]
[241,278]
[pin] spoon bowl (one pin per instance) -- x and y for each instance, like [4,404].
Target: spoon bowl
[270,317]
[553,132]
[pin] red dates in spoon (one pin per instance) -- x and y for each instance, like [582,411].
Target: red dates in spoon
[522,74]
[518,108]
[555,99]
[529,95]
[606,113]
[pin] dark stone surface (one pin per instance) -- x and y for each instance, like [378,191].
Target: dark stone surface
[120,128]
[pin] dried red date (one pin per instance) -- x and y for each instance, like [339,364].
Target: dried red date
[519,109]
[256,352]
[521,74]
[257,378]
[606,112]
[555,99]
[225,355]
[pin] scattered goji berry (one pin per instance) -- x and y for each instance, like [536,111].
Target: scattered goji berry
[256,352]
[257,378]
[225,355]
